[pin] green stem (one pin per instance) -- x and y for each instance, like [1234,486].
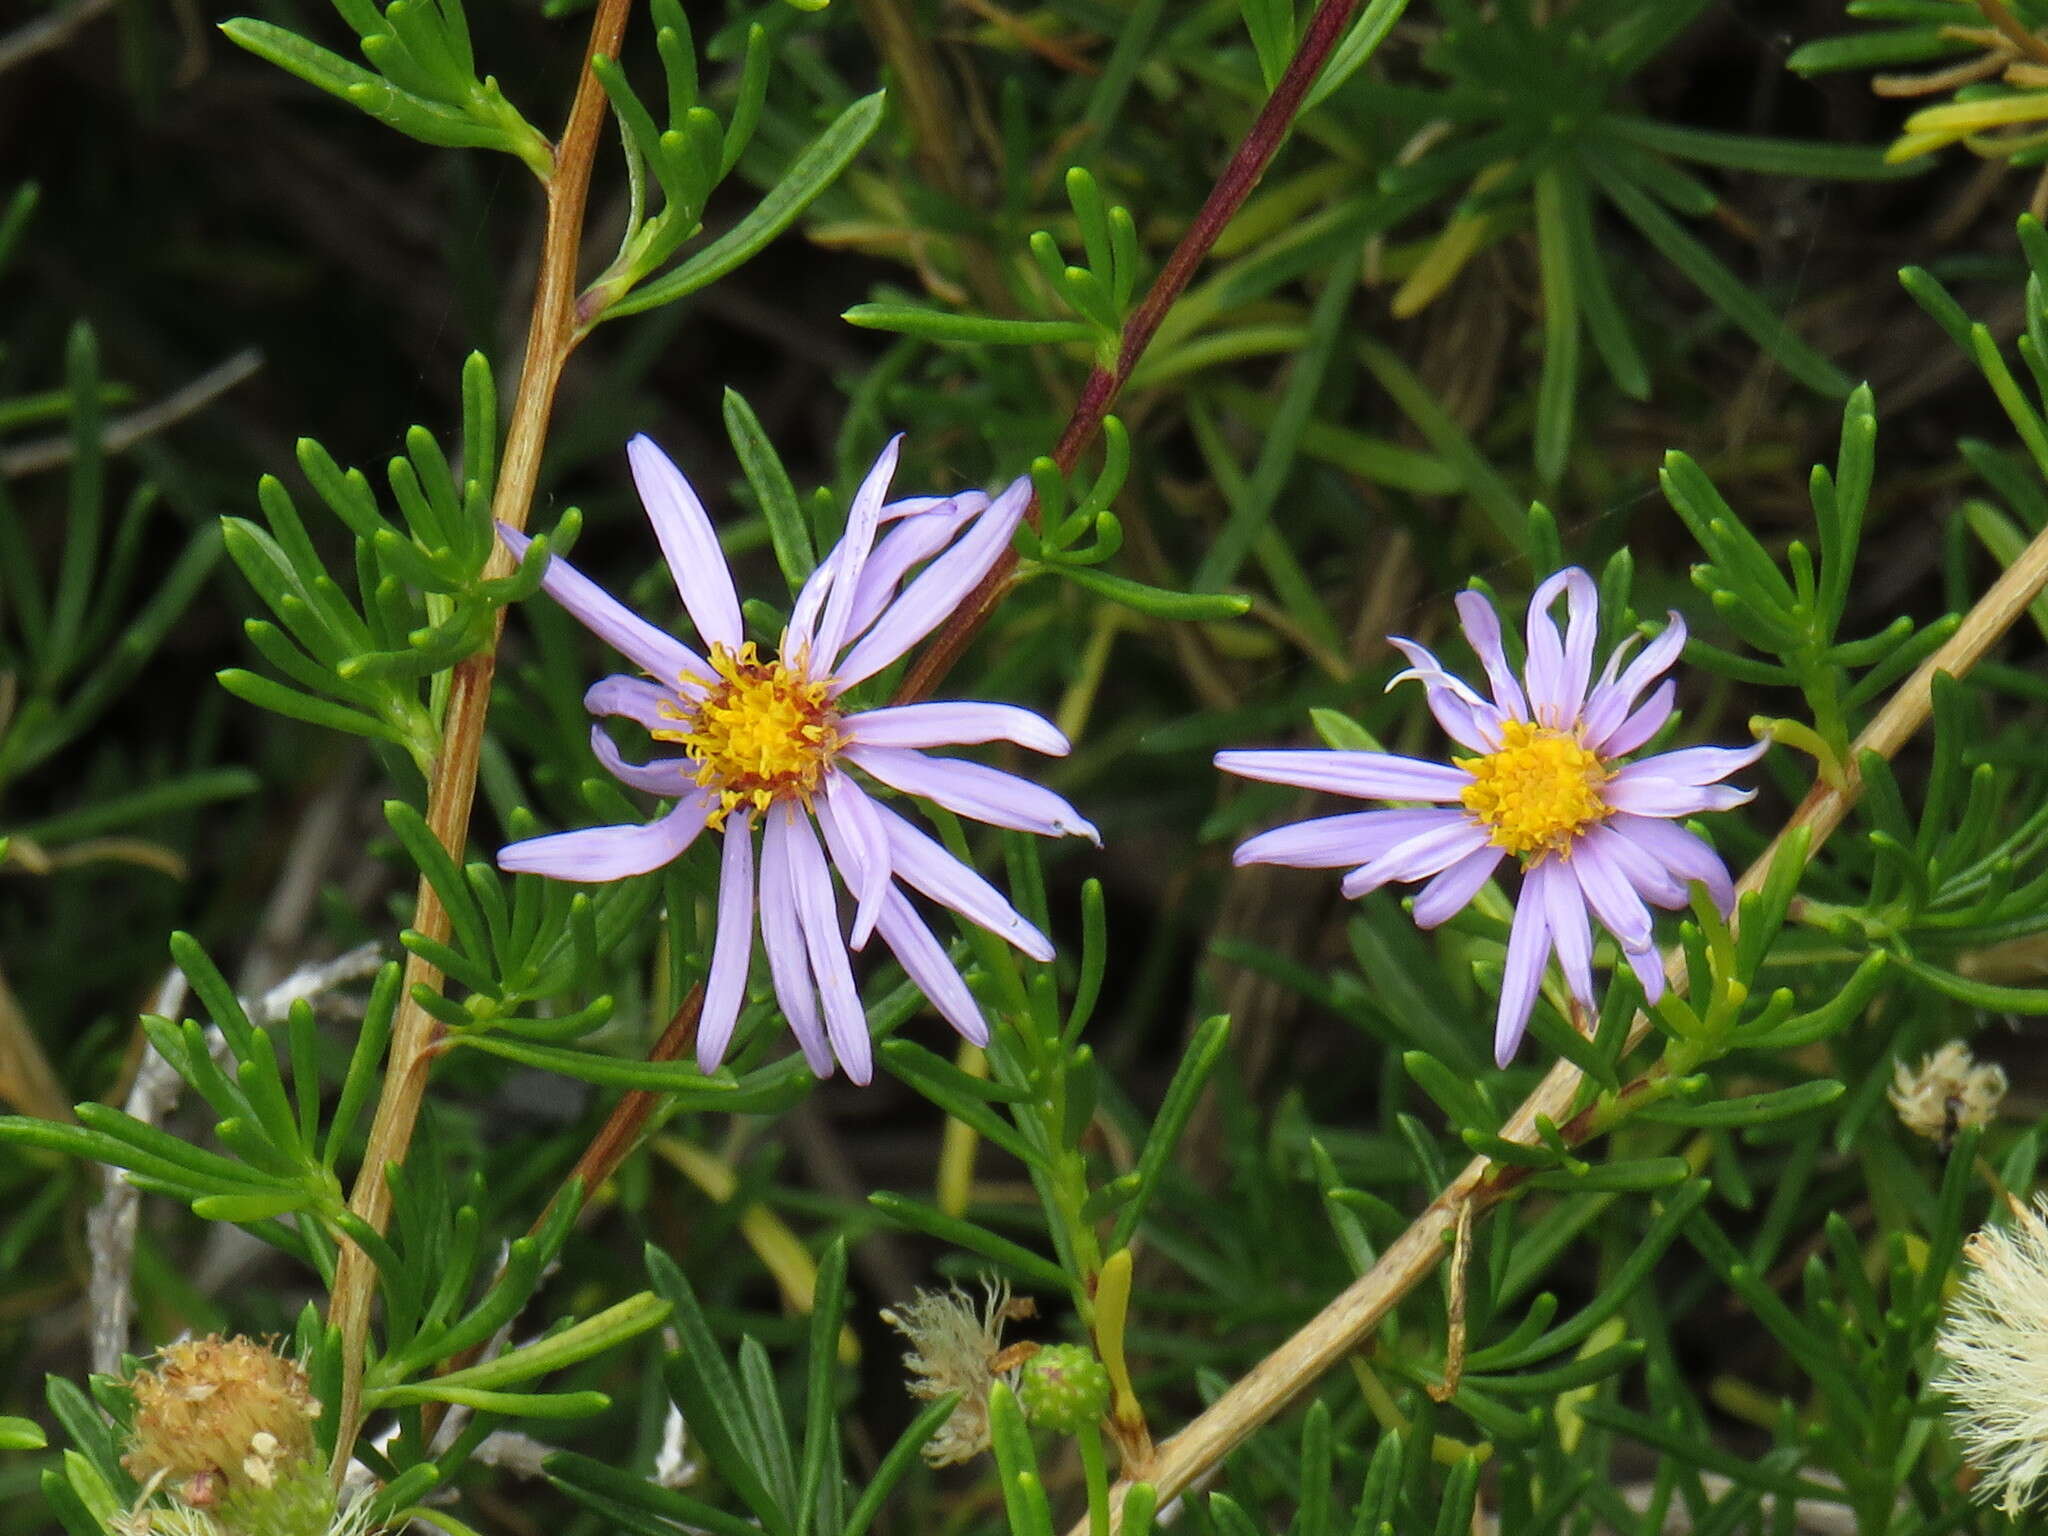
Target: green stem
[1095,1469]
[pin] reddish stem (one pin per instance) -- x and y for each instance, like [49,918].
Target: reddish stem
[1099,393]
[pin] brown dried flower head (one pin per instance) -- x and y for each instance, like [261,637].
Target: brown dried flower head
[217,1415]
[1949,1091]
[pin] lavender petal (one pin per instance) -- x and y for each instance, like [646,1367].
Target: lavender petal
[593,855]
[924,961]
[1466,718]
[1646,795]
[939,588]
[789,966]
[1482,632]
[1426,854]
[1361,775]
[1643,724]
[866,867]
[950,724]
[670,777]
[970,789]
[636,699]
[925,864]
[1612,700]
[1564,914]
[1649,968]
[688,543]
[654,651]
[846,1021]
[1604,888]
[1528,952]
[1559,668]
[1687,855]
[1696,765]
[1651,880]
[1450,892]
[732,947]
[862,518]
[1334,842]
[934,524]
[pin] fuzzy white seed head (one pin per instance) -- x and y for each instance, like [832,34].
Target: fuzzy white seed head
[1996,1340]
[1949,1091]
[955,1347]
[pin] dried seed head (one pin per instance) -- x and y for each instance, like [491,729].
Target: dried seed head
[1996,1339]
[1949,1091]
[216,1414]
[956,1348]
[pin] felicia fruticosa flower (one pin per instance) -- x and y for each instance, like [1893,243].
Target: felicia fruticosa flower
[1544,783]
[772,743]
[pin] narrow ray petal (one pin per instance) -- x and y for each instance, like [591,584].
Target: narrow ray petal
[1612,701]
[688,544]
[918,538]
[1649,968]
[655,651]
[1643,724]
[1528,952]
[1361,775]
[1695,765]
[1482,632]
[593,855]
[1652,881]
[925,962]
[950,724]
[939,588]
[848,805]
[1648,796]
[1450,892]
[1564,914]
[670,777]
[926,864]
[1339,842]
[1560,668]
[862,518]
[633,698]
[1608,892]
[846,1021]
[970,789]
[789,965]
[1426,854]
[732,947]
[1466,718]
[1687,855]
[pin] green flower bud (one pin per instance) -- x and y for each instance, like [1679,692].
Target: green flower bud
[1064,1388]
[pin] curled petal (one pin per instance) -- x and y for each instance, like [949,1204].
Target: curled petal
[1559,669]
[789,965]
[969,789]
[653,650]
[939,588]
[670,777]
[732,948]
[1647,795]
[948,724]
[1466,718]
[1448,893]
[1528,951]
[1361,775]
[633,698]
[594,855]
[1335,842]
[688,543]
[1426,854]
[1482,632]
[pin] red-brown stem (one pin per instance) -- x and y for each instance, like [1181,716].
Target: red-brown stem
[550,337]
[1099,393]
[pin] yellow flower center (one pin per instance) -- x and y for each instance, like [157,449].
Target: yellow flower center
[1538,792]
[765,732]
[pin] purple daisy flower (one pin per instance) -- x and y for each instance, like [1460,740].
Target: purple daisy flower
[1597,838]
[769,744]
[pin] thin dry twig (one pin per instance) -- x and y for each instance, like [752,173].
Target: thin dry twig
[125,432]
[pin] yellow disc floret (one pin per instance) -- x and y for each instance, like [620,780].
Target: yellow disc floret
[764,732]
[1538,792]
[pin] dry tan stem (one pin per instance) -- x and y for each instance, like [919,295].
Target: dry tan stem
[2023,39]
[1341,1326]
[551,336]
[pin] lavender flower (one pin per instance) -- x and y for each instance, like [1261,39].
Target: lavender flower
[769,744]
[1543,783]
